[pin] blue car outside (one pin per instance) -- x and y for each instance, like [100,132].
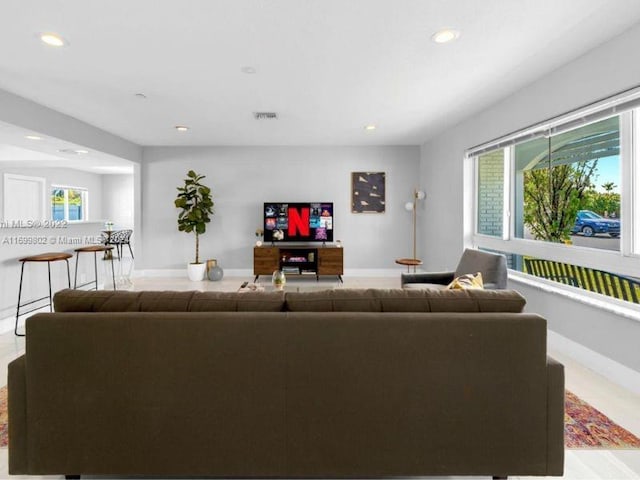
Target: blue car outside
[589,223]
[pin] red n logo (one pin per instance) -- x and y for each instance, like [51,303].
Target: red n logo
[298,222]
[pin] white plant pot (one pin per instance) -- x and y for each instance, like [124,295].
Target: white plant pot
[196,271]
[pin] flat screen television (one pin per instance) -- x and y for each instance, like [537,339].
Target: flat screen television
[298,222]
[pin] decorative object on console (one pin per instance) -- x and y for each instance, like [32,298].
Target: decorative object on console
[413,207]
[196,205]
[279,279]
[368,192]
[259,235]
[214,271]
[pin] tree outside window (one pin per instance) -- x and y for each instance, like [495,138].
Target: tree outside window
[559,176]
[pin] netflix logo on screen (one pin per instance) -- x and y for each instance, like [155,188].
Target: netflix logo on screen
[298,222]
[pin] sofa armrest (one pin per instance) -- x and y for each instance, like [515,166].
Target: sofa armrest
[555,417]
[442,278]
[17,402]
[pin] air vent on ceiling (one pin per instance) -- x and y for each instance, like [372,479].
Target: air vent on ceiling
[265,115]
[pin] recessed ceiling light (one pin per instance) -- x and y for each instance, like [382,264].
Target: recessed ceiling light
[248,70]
[370,127]
[73,151]
[53,39]
[33,137]
[181,128]
[445,35]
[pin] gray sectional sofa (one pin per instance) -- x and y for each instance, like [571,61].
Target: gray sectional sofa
[333,384]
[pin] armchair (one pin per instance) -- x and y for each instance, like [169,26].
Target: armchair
[492,266]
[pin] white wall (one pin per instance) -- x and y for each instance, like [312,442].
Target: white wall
[243,178]
[602,72]
[65,177]
[117,200]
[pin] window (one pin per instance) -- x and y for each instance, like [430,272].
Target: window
[567,187]
[558,198]
[69,203]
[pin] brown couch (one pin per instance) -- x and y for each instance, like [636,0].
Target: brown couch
[338,383]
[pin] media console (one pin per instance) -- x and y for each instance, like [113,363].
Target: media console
[298,260]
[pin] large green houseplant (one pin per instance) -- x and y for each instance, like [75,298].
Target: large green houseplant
[196,208]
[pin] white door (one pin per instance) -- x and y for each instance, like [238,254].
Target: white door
[24,198]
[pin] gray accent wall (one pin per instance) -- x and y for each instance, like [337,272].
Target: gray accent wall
[243,178]
[604,71]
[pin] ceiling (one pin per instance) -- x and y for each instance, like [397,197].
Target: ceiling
[17,151]
[327,67]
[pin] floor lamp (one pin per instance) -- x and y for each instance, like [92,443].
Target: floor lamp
[412,207]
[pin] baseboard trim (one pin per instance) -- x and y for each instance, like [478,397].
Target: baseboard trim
[246,272]
[616,372]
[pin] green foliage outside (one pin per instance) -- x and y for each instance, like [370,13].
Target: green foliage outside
[552,198]
[196,206]
[605,203]
[74,196]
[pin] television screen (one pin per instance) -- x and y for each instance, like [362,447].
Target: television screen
[298,222]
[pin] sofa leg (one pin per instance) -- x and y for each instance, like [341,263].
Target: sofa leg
[497,477]
[72,477]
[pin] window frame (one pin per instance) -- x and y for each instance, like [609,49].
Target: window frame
[85,202]
[626,261]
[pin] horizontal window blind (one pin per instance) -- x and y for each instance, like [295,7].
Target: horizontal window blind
[608,107]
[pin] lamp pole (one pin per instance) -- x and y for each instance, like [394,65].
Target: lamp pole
[415,204]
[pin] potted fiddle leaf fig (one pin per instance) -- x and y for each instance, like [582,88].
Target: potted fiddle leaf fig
[196,208]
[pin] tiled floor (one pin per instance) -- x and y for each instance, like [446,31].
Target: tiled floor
[619,404]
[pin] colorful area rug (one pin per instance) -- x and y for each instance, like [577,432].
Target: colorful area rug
[587,427]
[584,426]
[4,418]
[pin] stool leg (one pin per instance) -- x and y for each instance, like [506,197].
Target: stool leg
[95,267]
[15,330]
[113,274]
[75,277]
[50,296]
[68,273]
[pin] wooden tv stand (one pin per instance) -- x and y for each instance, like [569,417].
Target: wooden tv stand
[298,260]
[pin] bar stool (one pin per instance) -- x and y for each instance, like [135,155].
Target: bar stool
[95,249]
[42,257]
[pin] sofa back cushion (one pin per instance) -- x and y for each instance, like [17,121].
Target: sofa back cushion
[166,301]
[332,300]
[404,300]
